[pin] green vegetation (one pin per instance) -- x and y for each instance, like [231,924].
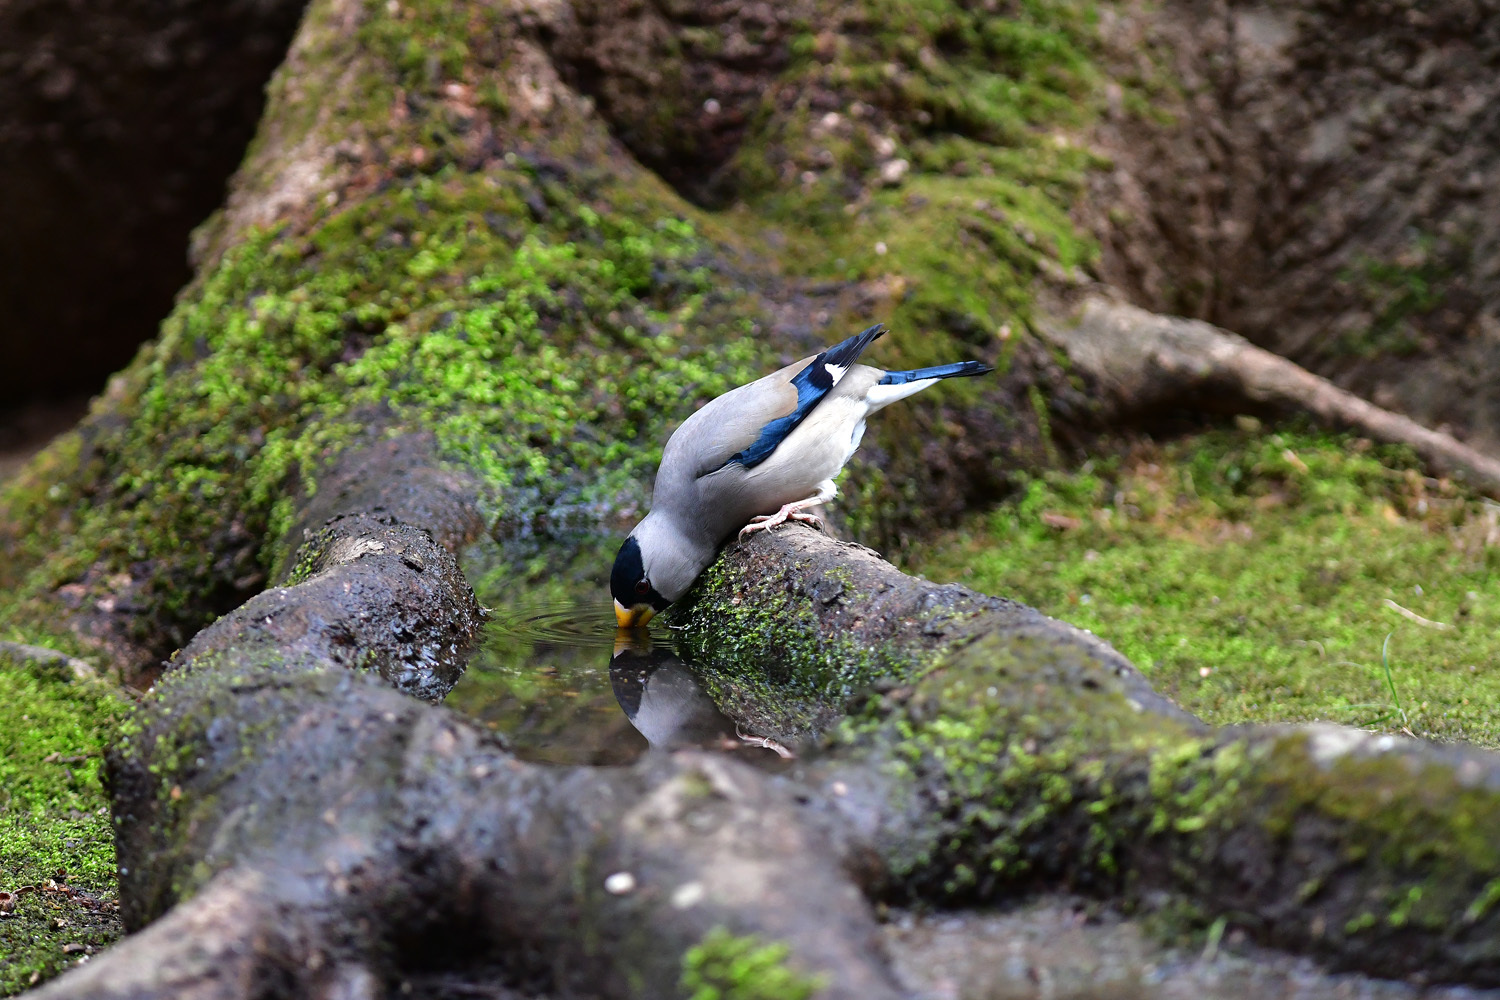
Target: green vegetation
[548,366]
[57,847]
[945,179]
[547,317]
[725,966]
[941,184]
[1257,576]
[1047,771]
[1398,291]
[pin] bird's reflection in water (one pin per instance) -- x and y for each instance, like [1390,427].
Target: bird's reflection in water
[666,704]
[552,677]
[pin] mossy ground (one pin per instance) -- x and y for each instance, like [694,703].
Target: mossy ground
[725,966]
[56,842]
[1251,575]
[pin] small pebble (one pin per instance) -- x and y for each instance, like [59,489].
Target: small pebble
[892,172]
[688,895]
[620,884]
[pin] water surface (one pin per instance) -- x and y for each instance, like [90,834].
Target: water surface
[563,685]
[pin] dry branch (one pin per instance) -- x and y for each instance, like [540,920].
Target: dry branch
[1141,360]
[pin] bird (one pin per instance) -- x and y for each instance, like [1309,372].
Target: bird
[753,458]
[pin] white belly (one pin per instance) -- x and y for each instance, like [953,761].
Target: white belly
[812,454]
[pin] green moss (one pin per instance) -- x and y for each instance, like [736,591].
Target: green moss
[1025,736]
[759,653]
[548,365]
[1252,577]
[725,966]
[1398,293]
[549,317]
[929,153]
[55,832]
[976,106]
[1032,765]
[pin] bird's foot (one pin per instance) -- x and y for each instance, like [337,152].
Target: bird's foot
[765,522]
[802,515]
[764,742]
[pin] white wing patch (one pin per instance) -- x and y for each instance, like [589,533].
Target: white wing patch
[879,396]
[836,372]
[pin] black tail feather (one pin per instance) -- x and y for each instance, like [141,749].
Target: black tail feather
[846,353]
[956,370]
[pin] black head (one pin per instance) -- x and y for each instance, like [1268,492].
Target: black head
[635,599]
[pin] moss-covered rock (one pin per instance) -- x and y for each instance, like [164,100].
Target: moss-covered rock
[998,750]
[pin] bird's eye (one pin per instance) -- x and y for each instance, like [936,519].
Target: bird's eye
[642,586]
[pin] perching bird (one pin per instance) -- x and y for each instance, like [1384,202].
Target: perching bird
[754,457]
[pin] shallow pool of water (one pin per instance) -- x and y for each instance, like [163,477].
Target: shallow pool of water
[563,685]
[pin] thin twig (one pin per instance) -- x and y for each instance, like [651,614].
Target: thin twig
[1414,617]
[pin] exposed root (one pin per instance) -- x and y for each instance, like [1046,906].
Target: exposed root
[1139,360]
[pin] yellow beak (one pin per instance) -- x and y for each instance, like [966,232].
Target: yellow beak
[635,617]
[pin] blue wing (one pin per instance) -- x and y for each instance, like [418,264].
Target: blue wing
[812,384]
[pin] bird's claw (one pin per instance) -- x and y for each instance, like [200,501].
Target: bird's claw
[762,522]
[765,522]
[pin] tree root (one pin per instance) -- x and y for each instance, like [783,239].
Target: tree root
[1139,360]
[1002,750]
[290,823]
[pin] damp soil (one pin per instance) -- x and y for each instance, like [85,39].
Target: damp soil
[1320,177]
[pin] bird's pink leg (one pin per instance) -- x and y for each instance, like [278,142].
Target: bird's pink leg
[794,511]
